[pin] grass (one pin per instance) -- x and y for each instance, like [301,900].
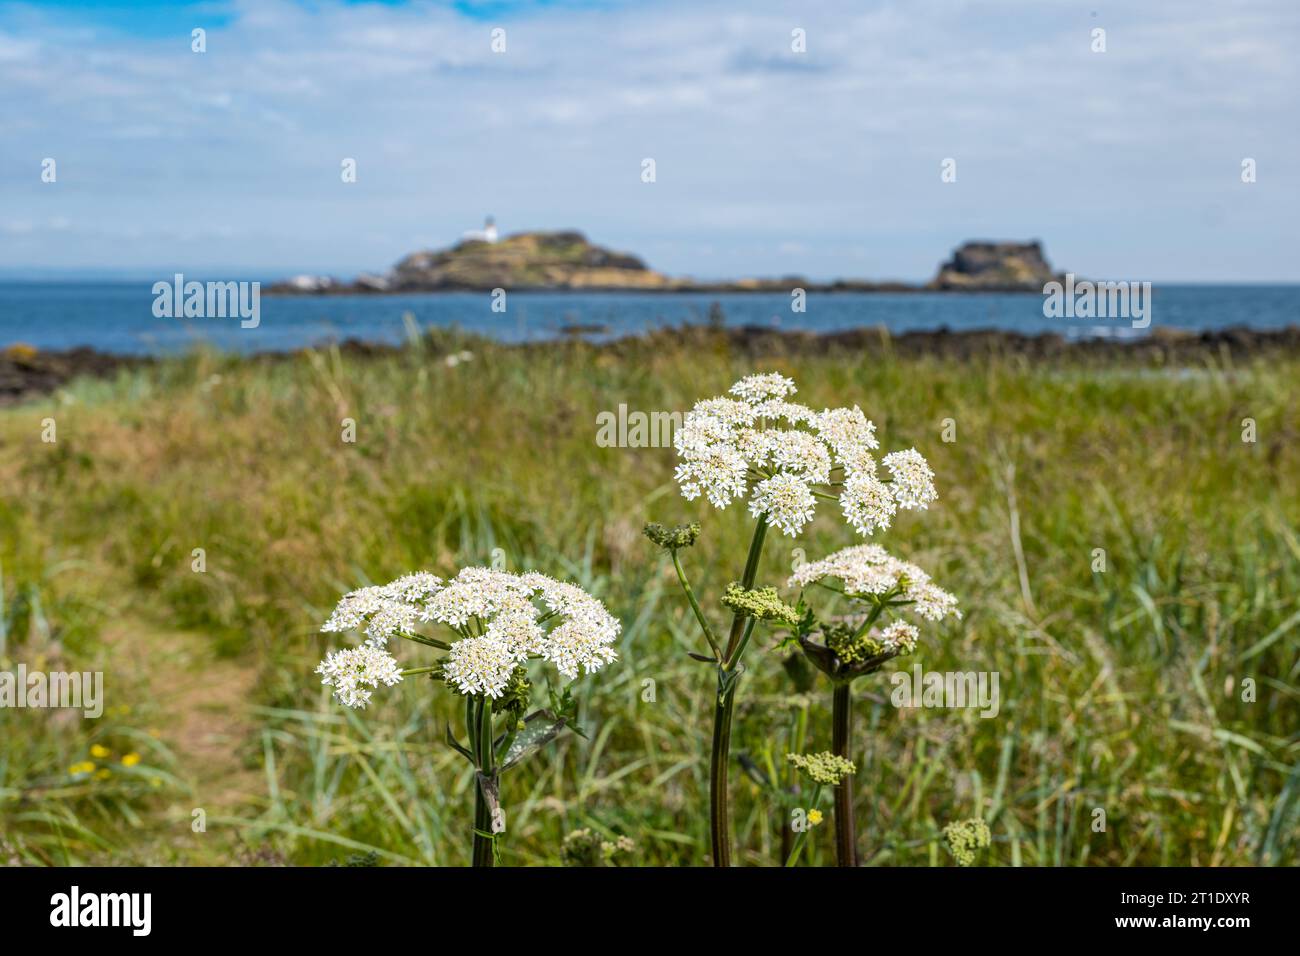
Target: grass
[1122,690]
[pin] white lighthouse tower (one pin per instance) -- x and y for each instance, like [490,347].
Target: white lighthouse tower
[487,234]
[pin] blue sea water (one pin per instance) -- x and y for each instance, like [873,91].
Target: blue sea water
[118,316]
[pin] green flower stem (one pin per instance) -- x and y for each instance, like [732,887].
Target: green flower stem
[719,811]
[747,582]
[479,718]
[426,641]
[802,837]
[871,618]
[744,641]
[695,606]
[413,671]
[846,849]
[719,819]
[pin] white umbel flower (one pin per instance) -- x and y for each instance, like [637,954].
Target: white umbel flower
[913,485]
[867,503]
[787,501]
[413,588]
[787,451]
[729,412]
[802,454]
[384,611]
[868,569]
[932,602]
[717,471]
[756,389]
[358,609]
[480,665]
[899,637]
[479,593]
[846,429]
[586,633]
[353,669]
[499,617]
[572,645]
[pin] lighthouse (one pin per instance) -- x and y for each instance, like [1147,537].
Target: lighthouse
[487,234]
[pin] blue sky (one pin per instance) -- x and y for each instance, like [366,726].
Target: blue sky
[827,163]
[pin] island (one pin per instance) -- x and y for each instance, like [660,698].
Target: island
[566,261]
[998,266]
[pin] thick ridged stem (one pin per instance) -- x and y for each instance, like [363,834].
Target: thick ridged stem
[846,842]
[481,740]
[719,808]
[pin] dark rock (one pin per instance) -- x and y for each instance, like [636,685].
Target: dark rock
[995,266]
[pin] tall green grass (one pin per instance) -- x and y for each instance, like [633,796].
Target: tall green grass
[1121,691]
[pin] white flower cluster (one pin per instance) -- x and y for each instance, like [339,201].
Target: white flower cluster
[498,618]
[384,610]
[787,450]
[352,669]
[899,637]
[867,569]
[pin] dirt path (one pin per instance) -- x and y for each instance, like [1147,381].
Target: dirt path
[200,704]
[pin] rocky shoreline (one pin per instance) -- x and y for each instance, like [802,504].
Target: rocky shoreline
[27,373]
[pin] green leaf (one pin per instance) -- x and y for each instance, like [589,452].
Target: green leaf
[565,708]
[455,745]
[807,618]
[540,728]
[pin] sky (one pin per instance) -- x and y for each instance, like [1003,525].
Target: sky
[826,163]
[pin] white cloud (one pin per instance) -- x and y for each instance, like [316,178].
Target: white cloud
[779,162]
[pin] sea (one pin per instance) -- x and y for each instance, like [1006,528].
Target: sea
[119,317]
